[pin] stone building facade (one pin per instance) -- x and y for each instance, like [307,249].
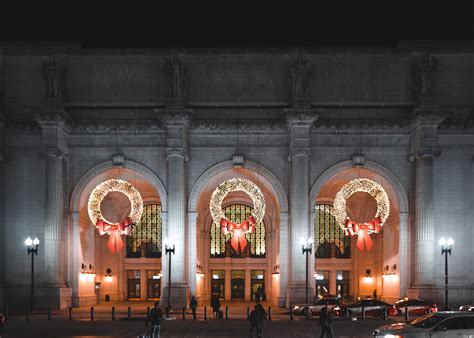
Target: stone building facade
[299,124]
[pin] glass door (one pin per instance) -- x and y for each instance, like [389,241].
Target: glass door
[153,284]
[133,283]
[238,284]
[218,283]
[322,284]
[258,284]
[342,284]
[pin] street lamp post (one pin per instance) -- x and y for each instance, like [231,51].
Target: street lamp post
[169,249]
[446,246]
[32,245]
[307,248]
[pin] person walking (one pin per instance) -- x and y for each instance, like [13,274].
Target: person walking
[155,319]
[258,294]
[325,322]
[193,305]
[257,318]
[216,306]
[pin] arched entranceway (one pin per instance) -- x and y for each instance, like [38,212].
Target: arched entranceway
[341,268]
[224,273]
[136,271]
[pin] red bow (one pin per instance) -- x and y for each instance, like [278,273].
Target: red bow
[115,231]
[363,231]
[239,231]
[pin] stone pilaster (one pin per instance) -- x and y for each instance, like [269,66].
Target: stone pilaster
[423,150]
[54,291]
[299,124]
[176,123]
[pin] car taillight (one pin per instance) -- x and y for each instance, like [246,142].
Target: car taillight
[434,309]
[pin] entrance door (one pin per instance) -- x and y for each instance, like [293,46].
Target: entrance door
[342,284]
[218,283]
[133,284]
[153,284]
[238,284]
[258,283]
[322,283]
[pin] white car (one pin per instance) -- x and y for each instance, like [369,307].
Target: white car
[441,324]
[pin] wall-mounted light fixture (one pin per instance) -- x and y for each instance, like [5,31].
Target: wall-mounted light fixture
[389,272]
[108,275]
[88,273]
[199,271]
[368,277]
[276,270]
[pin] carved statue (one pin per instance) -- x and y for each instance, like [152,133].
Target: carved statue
[424,77]
[299,75]
[52,74]
[176,78]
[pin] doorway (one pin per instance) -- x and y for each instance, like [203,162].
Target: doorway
[133,284]
[322,284]
[257,283]
[238,284]
[218,283]
[153,284]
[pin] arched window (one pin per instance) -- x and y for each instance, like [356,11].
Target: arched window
[221,245]
[329,239]
[145,239]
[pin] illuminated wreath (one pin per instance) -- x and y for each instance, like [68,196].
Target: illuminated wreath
[365,229]
[115,230]
[238,231]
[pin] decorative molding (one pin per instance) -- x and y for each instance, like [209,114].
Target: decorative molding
[236,126]
[110,127]
[238,160]
[358,160]
[300,117]
[359,125]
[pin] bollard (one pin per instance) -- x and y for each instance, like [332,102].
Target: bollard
[363,313]
[184,312]
[205,313]
[129,312]
[70,313]
[226,312]
[407,316]
[269,313]
[291,313]
[6,312]
[248,312]
[148,312]
[384,314]
[27,314]
[49,313]
[113,312]
[346,312]
[167,312]
[92,313]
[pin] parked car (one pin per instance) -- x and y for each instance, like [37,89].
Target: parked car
[440,324]
[317,305]
[415,307]
[372,307]
[469,307]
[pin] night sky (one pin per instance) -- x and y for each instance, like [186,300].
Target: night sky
[231,24]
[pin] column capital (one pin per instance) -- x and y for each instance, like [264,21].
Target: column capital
[299,122]
[425,121]
[55,131]
[301,117]
[176,122]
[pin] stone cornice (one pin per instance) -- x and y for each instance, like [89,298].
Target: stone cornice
[108,127]
[300,117]
[361,125]
[179,117]
[236,126]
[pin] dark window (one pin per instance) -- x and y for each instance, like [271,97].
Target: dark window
[145,239]
[329,239]
[457,323]
[221,244]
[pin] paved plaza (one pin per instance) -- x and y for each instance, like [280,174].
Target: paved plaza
[124,326]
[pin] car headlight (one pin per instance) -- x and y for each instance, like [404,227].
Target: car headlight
[296,307]
[337,308]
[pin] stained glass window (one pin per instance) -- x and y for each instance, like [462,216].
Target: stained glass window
[145,239]
[220,244]
[329,239]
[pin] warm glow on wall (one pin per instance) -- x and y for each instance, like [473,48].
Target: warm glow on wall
[108,278]
[368,279]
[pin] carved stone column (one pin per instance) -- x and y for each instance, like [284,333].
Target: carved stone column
[53,292]
[176,123]
[424,148]
[299,124]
